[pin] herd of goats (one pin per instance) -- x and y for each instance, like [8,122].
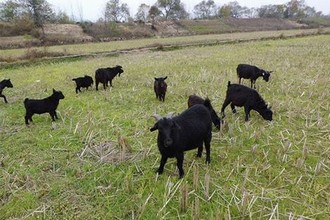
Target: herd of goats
[176,134]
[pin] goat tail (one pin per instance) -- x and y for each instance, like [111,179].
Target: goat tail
[74,79]
[228,83]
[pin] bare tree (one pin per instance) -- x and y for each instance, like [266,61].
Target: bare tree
[205,9]
[143,12]
[115,11]
[172,9]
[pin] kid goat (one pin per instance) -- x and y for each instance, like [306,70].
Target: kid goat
[40,106]
[3,84]
[247,71]
[239,95]
[160,88]
[83,82]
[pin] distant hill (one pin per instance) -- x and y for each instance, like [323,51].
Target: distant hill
[87,32]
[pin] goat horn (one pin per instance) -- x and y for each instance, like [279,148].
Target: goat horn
[157,117]
[170,115]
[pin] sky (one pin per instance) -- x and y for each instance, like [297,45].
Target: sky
[93,9]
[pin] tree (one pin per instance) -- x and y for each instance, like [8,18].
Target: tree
[232,9]
[114,11]
[143,12]
[295,9]
[9,10]
[172,9]
[154,12]
[39,10]
[271,11]
[205,9]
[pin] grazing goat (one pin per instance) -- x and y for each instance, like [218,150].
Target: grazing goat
[247,71]
[105,75]
[194,99]
[83,82]
[40,106]
[3,84]
[184,132]
[160,88]
[239,95]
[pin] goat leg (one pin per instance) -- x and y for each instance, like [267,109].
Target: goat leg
[162,164]
[179,159]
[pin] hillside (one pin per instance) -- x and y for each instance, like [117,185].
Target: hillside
[56,34]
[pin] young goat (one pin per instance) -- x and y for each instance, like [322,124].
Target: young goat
[105,75]
[239,95]
[194,99]
[160,88]
[247,71]
[83,82]
[3,84]
[184,132]
[40,106]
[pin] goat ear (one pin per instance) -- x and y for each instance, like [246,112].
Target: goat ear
[54,90]
[271,71]
[156,79]
[154,128]
[165,77]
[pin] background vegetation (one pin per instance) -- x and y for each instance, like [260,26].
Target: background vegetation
[99,159]
[33,17]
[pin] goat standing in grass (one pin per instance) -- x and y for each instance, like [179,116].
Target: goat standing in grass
[160,88]
[3,84]
[187,131]
[105,75]
[83,82]
[239,95]
[40,106]
[247,71]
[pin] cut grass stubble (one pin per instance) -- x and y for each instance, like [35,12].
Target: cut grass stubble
[100,159]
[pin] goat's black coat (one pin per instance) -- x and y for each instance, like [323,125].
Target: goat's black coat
[105,75]
[3,84]
[187,131]
[240,95]
[194,99]
[40,106]
[247,71]
[83,82]
[160,88]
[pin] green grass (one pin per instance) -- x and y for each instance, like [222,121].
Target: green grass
[258,170]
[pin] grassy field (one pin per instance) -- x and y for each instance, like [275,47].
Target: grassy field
[98,160]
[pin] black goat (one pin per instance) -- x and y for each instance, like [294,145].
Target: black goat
[40,106]
[247,71]
[184,132]
[83,82]
[160,88]
[105,75]
[194,99]
[3,84]
[240,95]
